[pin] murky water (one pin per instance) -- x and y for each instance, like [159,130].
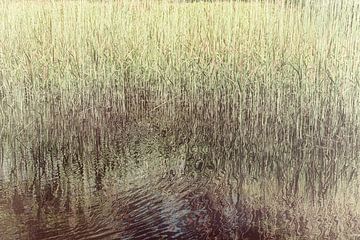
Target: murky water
[107,206]
[143,194]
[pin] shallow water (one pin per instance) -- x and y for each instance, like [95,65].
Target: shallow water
[106,206]
[143,195]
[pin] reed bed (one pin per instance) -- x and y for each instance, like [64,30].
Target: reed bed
[260,90]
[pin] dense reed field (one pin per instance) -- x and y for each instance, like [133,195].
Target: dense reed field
[265,94]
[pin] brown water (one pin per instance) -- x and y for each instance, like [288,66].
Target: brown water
[107,206]
[143,195]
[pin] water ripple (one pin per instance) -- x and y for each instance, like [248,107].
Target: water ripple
[158,209]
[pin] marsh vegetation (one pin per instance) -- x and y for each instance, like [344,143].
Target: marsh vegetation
[249,109]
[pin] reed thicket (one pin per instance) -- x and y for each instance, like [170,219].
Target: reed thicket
[268,91]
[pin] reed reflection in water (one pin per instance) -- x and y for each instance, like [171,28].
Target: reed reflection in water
[160,207]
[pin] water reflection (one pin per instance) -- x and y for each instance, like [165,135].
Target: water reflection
[161,207]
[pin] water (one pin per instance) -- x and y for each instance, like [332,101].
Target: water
[142,194]
[108,205]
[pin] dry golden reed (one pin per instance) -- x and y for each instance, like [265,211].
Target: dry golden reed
[269,88]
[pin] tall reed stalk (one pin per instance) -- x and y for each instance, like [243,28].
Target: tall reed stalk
[268,88]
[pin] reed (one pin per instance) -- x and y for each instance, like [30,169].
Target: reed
[267,89]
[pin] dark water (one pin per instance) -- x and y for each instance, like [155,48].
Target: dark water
[104,205]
